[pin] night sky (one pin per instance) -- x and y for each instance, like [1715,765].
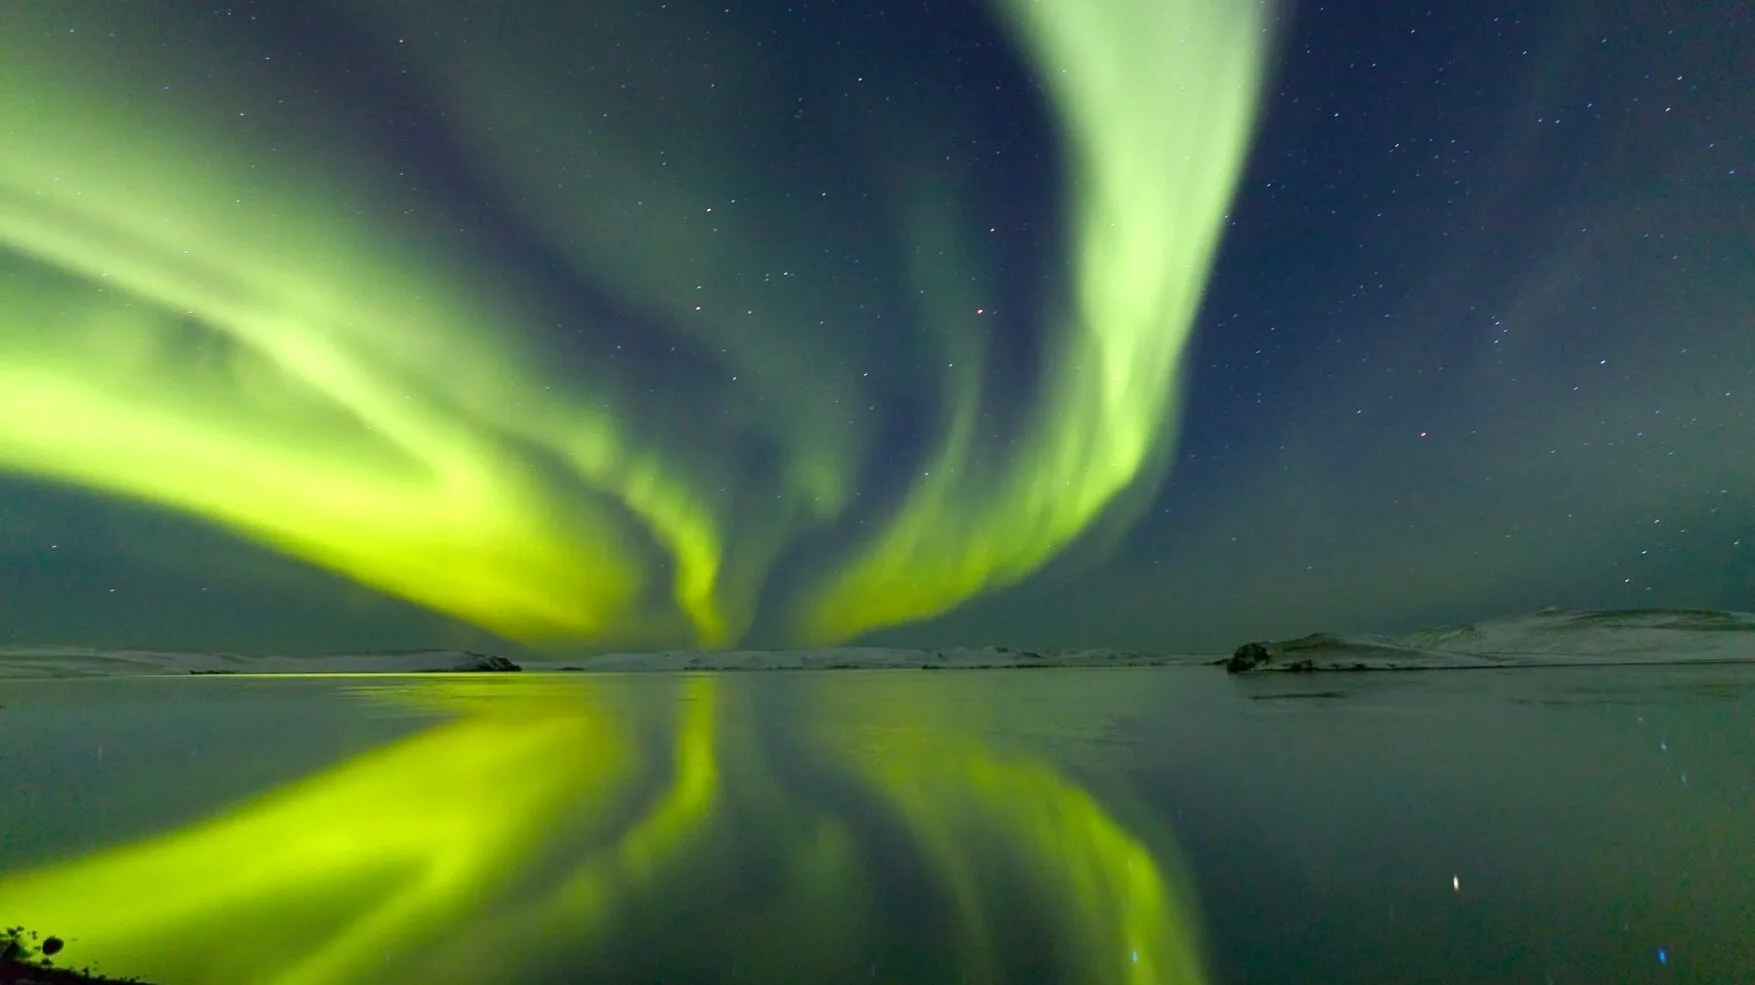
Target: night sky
[1160,324]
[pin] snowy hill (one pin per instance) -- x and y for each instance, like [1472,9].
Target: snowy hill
[1547,637]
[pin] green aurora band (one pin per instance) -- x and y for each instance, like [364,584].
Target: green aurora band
[233,315]
[579,825]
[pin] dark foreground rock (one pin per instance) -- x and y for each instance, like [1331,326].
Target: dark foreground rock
[20,973]
[27,958]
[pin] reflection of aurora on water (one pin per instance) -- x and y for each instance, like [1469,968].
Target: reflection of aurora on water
[543,829]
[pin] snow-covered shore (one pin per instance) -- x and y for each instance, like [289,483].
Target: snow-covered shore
[82,661]
[1545,638]
[868,658]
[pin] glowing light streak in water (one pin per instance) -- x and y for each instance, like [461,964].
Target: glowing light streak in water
[367,866]
[1099,887]
[538,823]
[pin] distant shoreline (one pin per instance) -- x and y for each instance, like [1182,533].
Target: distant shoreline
[1548,638]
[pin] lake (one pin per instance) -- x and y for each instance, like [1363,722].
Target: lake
[1169,824]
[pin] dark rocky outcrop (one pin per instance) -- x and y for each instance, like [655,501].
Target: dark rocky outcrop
[27,958]
[1248,657]
[490,664]
[1328,652]
[1546,638]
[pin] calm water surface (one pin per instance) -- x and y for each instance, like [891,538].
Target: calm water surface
[1152,825]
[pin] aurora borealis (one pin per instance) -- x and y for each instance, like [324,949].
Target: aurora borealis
[582,326]
[218,316]
[547,329]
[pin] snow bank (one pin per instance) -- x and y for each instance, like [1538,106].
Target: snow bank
[1545,638]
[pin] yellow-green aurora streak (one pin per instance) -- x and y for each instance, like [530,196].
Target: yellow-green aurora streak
[1157,101]
[225,318]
